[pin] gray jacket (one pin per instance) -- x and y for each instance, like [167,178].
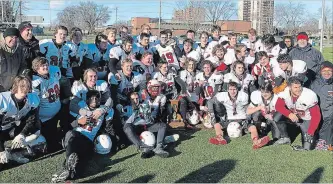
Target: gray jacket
[312,57]
[324,90]
[12,63]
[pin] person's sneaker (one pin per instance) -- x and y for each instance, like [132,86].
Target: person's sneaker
[171,138]
[61,176]
[218,140]
[261,142]
[321,145]
[283,140]
[146,152]
[160,152]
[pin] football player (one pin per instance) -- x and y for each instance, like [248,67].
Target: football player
[45,82]
[189,103]
[120,53]
[111,33]
[270,46]
[18,116]
[263,70]
[203,45]
[217,59]
[230,56]
[79,142]
[142,46]
[288,68]
[231,107]
[98,56]
[127,82]
[215,38]
[145,66]
[262,109]
[187,48]
[253,43]
[79,50]
[239,75]
[140,115]
[166,50]
[145,28]
[300,106]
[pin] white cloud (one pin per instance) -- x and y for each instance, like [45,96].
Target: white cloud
[56,3]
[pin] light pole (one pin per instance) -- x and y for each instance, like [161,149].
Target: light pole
[322,26]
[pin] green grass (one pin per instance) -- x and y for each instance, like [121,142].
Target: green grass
[327,53]
[193,160]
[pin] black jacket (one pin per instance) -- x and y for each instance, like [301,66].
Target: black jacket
[11,64]
[31,49]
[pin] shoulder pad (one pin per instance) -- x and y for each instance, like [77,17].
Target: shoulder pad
[115,52]
[256,97]
[76,88]
[54,72]
[45,41]
[33,99]
[36,80]
[102,85]
[4,101]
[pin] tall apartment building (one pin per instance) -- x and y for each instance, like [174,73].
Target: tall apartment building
[189,14]
[259,12]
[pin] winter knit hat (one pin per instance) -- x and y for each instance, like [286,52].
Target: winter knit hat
[11,31]
[326,64]
[24,25]
[302,35]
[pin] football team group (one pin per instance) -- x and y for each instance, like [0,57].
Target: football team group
[100,97]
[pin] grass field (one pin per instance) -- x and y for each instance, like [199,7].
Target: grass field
[192,159]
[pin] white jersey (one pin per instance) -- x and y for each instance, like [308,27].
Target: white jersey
[80,90]
[127,85]
[156,104]
[77,52]
[304,102]
[244,83]
[209,49]
[10,115]
[100,59]
[257,100]
[299,67]
[241,105]
[55,56]
[255,46]
[119,54]
[168,53]
[265,71]
[144,70]
[274,51]
[168,82]
[214,60]
[230,56]
[191,84]
[110,46]
[205,52]
[48,90]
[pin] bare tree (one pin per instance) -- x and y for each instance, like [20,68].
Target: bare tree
[328,20]
[86,15]
[289,16]
[194,15]
[219,10]
[11,10]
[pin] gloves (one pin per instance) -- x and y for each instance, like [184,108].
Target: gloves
[18,141]
[4,157]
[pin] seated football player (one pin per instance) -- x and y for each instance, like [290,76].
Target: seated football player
[262,109]
[209,83]
[288,68]
[217,58]
[98,56]
[188,104]
[80,90]
[18,117]
[227,107]
[263,70]
[45,82]
[145,66]
[81,142]
[300,107]
[166,50]
[203,45]
[146,115]
[323,87]
[239,75]
[119,53]
[127,82]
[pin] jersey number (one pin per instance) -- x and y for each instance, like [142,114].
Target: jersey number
[169,57]
[54,93]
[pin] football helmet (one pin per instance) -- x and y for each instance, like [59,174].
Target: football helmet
[154,87]
[148,138]
[193,117]
[103,144]
[207,121]
[234,130]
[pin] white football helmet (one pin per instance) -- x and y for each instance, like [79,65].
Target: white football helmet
[148,138]
[194,55]
[193,118]
[207,121]
[103,144]
[234,130]
[36,143]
